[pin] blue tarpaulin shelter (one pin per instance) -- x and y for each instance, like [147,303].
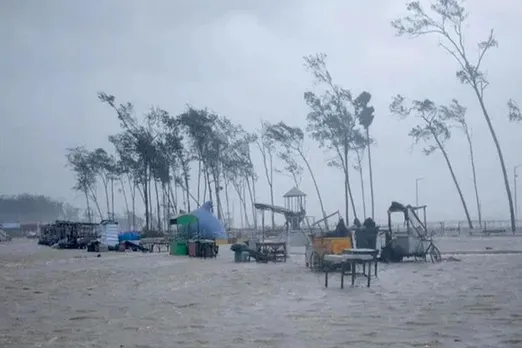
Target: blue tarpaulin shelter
[129,235]
[207,225]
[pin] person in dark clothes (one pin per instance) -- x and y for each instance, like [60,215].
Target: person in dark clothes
[340,229]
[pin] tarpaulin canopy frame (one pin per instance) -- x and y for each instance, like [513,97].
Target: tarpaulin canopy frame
[185,219]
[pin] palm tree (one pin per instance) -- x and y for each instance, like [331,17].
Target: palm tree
[365,115]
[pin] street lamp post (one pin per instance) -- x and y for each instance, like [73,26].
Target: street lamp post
[417,191]
[515,176]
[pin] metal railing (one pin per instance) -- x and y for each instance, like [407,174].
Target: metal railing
[436,228]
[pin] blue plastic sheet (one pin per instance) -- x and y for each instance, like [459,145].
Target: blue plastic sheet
[209,225]
[129,235]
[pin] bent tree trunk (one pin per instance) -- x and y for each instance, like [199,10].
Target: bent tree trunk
[500,155]
[227,201]
[199,181]
[133,197]
[95,200]
[268,164]
[316,188]
[122,184]
[172,198]
[346,194]
[189,196]
[370,170]
[347,186]
[151,210]
[454,177]
[158,209]
[361,176]
[89,215]
[252,200]
[254,210]
[272,214]
[474,172]
[215,175]
[241,196]
[146,197]
[106,190]
[187,189]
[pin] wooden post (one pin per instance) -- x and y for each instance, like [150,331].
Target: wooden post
[325,277]
[369,272]
[342,273]
[353,272]
[263,225]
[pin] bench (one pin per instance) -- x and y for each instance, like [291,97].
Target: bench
[494,231]
[274,251]
[351,257]
[159,243]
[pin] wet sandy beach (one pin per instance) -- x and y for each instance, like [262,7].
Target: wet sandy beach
[59,298]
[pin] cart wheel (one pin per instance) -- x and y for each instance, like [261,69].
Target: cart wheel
[435,255]
[315,262]
[385,255]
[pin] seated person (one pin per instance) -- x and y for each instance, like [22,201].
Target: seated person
[340,229]
[369,223]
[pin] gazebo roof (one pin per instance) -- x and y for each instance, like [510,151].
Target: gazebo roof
[294,192]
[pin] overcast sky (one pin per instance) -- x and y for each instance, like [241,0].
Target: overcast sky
[243,59]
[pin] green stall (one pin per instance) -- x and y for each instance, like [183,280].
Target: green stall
[181,233]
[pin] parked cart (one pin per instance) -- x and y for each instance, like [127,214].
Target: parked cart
[321,243]
[410,240]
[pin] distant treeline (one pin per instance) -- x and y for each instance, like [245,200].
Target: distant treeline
[27,208]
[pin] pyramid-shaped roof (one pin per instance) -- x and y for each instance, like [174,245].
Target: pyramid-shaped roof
[294,192]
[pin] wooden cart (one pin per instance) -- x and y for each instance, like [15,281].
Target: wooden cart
[321,246]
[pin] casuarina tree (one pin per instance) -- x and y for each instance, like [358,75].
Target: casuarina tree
[447,20]
[266,147]
[290,139]
[365,114]
[433,130]
[332,122]
[456,113]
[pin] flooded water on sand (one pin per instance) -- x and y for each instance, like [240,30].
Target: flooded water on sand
[57,298]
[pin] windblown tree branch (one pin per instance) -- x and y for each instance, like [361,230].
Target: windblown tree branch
[514,114]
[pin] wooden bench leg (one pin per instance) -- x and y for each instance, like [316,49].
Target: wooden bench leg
[353,272]
[342,275]
[369,272]
[326,278]
[375,267]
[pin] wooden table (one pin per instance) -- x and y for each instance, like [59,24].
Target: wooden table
[372,252]
[352,257]
[275,251]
